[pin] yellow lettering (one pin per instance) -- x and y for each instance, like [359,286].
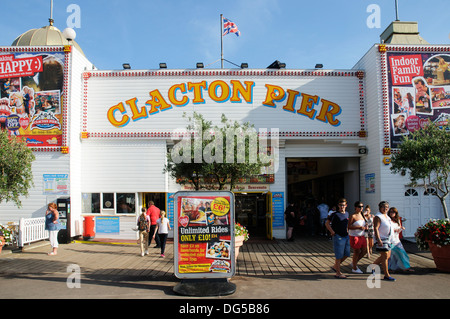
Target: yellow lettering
[111,115]
[292,96]
[274,93]
[136,114]
[172,94]
[197,89]
[307,106]
[157,102]
[328,113]
[212,91]
[238,88]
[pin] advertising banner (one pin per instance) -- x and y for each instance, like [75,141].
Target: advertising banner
[419,91]
[31,86]
[204,235]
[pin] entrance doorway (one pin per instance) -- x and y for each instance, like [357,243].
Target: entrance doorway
[313,180]
[158,198]
[251,211]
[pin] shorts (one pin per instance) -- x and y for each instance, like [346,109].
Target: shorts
[358,242]
[341,246]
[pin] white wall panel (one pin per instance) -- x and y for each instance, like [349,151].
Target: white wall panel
[35,204]
[123,166]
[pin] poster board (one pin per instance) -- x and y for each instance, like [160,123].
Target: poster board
[419,91]
[31,95]
[204,235]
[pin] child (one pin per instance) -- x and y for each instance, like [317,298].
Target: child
[369,231]
[163,230]
[143,225]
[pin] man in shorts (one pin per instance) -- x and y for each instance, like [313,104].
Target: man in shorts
[337,224]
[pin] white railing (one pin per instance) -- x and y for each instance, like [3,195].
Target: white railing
[31,230]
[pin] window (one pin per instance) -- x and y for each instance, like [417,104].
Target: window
[90,203]
[411,192]
[430,191]
[108,200]
[108,203]
[126,203]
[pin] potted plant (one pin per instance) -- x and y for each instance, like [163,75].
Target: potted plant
[435,235]
[241,235]
[5,236]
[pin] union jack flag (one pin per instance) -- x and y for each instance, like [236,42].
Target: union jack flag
[230,27]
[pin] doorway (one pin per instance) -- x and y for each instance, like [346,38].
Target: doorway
[158,198]
[251,211]
[313,180]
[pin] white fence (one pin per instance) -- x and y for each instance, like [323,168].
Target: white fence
[31,230]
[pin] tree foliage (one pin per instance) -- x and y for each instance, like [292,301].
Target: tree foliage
[15,165]
[425,156]
[203,158]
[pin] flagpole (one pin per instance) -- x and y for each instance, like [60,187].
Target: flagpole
[221,41]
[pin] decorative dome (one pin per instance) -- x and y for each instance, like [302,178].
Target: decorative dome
[48,35]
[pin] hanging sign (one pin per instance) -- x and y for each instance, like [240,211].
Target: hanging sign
[204,234]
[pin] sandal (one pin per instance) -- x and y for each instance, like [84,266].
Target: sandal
[340,276]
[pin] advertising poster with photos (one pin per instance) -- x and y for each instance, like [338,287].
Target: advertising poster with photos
[419,90]
[31,85]
[204,242]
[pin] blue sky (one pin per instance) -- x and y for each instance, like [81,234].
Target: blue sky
[183,32]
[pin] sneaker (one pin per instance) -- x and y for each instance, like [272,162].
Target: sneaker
[142,254]
[389,278]
[357,271]
[162,255]
[146,252]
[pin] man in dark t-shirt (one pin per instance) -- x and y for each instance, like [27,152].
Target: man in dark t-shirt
[337,225]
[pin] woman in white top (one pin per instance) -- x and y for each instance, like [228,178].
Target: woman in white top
[383,230]
[163,227]
[356,228]
[399,258]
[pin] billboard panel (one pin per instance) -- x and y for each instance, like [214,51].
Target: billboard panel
[419,90]
[31,86]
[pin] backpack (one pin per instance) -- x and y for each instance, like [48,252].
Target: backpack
[142,222]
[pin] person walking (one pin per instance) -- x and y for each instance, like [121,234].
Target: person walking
[383,230]
[289,215]
[143,225]
[163,227]
[337,225]
[153,212]
[399,258]
[52,225]
[356,228]
[323,209]
[369,231]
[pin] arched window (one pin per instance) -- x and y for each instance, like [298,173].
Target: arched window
[411,192]
[430,191]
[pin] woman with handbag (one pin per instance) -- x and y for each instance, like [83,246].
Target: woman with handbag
[382,226]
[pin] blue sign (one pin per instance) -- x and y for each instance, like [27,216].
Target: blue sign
[278,209]
[107,224]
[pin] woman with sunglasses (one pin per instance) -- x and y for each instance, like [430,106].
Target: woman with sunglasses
[356,227]
[383,230]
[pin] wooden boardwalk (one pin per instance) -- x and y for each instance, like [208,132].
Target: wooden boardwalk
[256,258]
